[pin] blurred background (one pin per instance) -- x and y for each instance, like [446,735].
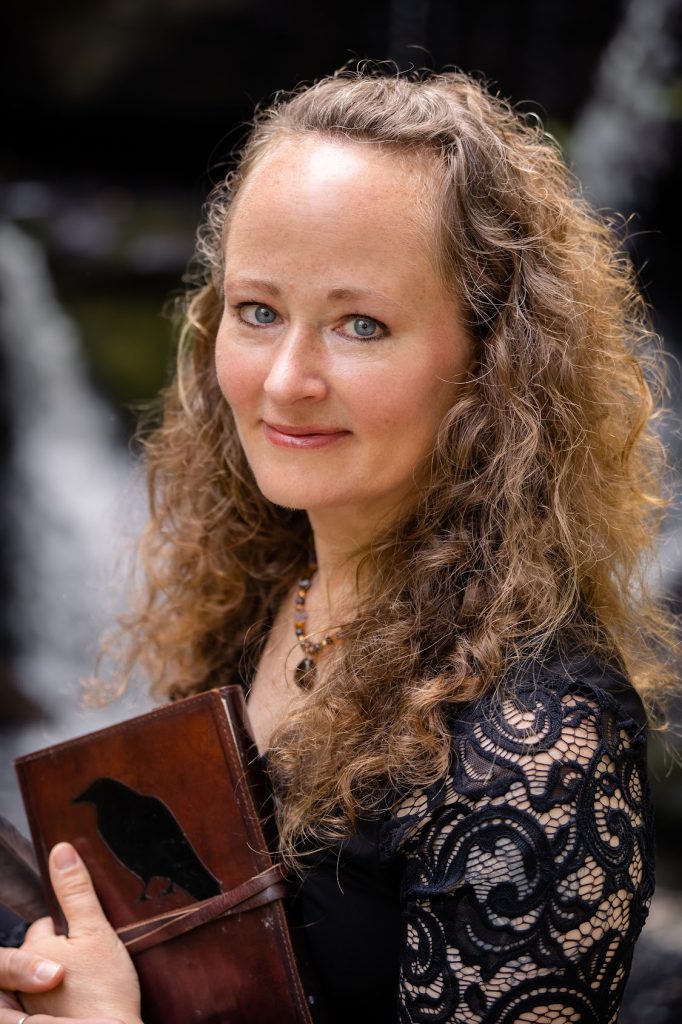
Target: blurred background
[116,119]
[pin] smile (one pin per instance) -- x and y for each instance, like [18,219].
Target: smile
[307,438]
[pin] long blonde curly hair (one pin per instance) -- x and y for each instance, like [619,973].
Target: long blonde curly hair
[547,488]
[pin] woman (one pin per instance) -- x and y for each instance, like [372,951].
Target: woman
[403,490]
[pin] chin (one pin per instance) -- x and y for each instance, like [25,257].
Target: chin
[303,498]
[289,506]
[295,489]
[284,493]
[300,502]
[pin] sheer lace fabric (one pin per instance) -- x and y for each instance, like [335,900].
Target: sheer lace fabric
[528,871]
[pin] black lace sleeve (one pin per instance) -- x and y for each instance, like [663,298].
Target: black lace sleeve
[528,871]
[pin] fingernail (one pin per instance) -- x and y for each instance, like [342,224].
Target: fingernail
[64,857]
[45,970]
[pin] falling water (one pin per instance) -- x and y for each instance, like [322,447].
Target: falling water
[621,139]
[619,148]
[72,498]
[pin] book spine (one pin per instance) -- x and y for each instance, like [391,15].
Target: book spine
[239,751]
[228,704]
[42,852]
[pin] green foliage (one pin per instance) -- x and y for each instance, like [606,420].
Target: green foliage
[127,341]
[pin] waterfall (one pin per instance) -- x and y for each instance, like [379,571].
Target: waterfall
[619,141]
[72,496]
[620,145]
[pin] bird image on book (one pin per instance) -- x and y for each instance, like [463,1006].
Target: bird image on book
[146,838]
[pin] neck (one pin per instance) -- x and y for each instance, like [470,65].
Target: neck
[336,590]
[342,537]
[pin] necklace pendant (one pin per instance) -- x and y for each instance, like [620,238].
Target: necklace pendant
[304,674]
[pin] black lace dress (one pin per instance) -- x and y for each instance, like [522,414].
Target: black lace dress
[513,890]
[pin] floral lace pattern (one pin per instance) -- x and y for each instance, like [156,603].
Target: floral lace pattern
[528,871]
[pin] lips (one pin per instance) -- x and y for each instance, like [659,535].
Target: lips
[308,429]
[312,435]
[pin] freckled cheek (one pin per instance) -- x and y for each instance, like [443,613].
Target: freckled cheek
[403,421]
[407,407]
[387,420]
[239,379]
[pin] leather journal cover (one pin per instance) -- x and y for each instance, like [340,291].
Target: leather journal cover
[168,811]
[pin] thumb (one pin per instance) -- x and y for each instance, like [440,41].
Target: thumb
[74,890]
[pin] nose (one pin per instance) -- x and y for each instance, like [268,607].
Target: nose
[296,372]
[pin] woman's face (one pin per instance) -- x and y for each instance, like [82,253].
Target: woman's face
[339,349]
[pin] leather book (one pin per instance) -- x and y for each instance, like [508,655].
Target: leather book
[171,813]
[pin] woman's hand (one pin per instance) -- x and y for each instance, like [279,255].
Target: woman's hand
[21,971]
[95,982]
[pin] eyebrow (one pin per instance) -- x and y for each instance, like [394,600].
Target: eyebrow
[253,282]
[355,293]
[335,294]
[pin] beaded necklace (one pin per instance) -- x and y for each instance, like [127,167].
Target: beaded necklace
[304,673]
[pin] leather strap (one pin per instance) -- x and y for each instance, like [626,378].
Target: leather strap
[263,888]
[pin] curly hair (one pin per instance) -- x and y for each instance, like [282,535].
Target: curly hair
[547,484]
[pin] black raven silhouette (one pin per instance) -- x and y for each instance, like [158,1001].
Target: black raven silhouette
[144,836]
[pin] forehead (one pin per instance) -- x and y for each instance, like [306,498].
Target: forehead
[316,183]
[318,157]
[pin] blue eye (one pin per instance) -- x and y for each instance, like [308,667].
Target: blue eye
[365,327]
[255,314]
[264,315]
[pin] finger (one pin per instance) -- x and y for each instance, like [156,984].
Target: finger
[21,971]
[9,1002]
[40,929]
[73,889]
